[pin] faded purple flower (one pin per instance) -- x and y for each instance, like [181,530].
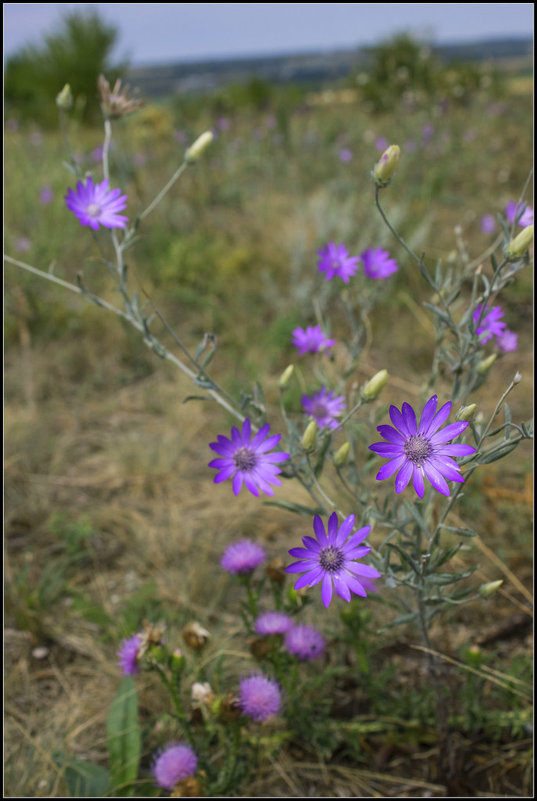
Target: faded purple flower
[519,212]
[128,655]
[95,204]
[378,263]
[273,623]
[324,407]
[246,459]
[381,143]
[23,244]
[304,642]
[173,763]
[345,155]
[507,341]
[311,339]
[259,697]
[46,195]
[332,559]
[488,322]
[242,556]
[488,224]
[97,154]
[427,131]
[410,146]
[334,260]
[420,452]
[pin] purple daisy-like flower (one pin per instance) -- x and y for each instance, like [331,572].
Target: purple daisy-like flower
[311,339]
[128,655]
[246,459]
[95,204]
[332,559]
[488,322]
[488,224]
[173,763]
[513,212]
[324,407]
[420,452]
[507,341]
[378,263]
[273,623]
[334,260]
[242,557]
[259,697]
[304,642]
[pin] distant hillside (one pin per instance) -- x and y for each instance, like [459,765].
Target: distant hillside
[309,69]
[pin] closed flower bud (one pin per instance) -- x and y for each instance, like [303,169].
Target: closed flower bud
[386,166]
[518,246]
[486,364]
[286,376]
[199,147]
[374,387]
[309,438]
[488,589]
[466,413]
[473,656]
[195,636]
[64,99]
[177,662]
[342,454]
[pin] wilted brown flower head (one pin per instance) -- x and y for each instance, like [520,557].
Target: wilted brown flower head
[116,103]
[151,635]
[187,788]
[195,635]
[276,570]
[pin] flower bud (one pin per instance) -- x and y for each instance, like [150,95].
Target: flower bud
[177,662]
[518,246]
[473,656]
[484,366]
[275,570]
[64,99]
[286,376]
[200,146]
[195,636]
[342,454]
[309,438]
[386,166]
[517,378]
[374,387]
[466,413]
[486,590]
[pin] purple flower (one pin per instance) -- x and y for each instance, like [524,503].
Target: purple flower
[507,341]
[273,623]
[174,762]
[95,204]
[421,451]
[311,339]
[517,212]
[242,557]
[381,143]
[488,322]
[128,655]
[331,558]
[97,154]
[488,224]
[377,263]
[324,407]
[259,697]
[46,196]
[23,244]
[345,155]
[304,642]
[335,261]
[246,459]
[427,131]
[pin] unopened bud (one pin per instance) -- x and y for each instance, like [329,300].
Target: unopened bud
[64,99]
[309,438]
[342,454]
[486,590]
[473,656]
[466,413]
[374,387]
[518,246]
[518,378]
[386,166]
[177,662]
[486,364]
[286,376]
[195,636]
[199,147]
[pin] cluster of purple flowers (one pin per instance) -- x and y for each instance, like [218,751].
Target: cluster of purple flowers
[304,642]
[335,262]
[489,324]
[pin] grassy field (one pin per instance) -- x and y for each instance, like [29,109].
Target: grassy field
[111,514]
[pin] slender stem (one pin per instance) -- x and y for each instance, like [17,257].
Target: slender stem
[392,229]
[106,147]
[163,191]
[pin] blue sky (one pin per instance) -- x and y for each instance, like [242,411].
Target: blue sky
[163,32]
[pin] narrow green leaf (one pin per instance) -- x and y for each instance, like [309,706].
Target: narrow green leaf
[493,456]
[297,508]
[124,736]
[83,779]
[464,532]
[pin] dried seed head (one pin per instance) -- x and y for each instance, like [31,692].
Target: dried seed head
[116,103]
